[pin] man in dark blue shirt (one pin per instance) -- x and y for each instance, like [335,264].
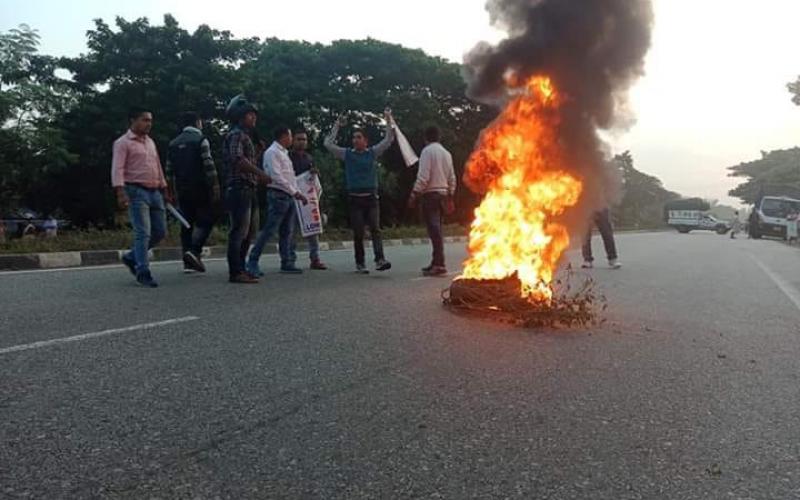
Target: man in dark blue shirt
[303,162]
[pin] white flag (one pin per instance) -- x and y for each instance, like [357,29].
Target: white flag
[409,155]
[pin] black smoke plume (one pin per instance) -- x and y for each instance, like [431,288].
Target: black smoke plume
[593,50]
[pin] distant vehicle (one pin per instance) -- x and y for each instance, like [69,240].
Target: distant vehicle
[770,216]
[686,221]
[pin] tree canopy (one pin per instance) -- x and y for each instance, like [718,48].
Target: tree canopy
[60,116]
[644,196]
[33,151]
[775,173]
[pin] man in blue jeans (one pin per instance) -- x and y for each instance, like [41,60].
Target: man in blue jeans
[281,215]
[242,180]
[140,186]
[303,162]
[436,185]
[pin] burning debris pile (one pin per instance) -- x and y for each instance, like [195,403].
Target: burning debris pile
[560,77]
[501,300]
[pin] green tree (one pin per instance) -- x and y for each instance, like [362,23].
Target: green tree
[794,89]
[643,197]
[776,172]
[311,84]
[32,148]
[50,122]
[169,70]
[164,68]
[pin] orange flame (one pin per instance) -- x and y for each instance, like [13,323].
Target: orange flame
[519,164]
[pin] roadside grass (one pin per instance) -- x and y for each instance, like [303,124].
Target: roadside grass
[95,239]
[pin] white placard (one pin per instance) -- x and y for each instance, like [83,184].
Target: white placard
[309,215]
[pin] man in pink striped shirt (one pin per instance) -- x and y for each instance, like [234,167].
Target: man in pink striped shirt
[140,186]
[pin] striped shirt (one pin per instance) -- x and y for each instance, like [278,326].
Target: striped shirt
[135,161]
[237,149]
[209,169]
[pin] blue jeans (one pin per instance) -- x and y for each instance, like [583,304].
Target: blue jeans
[149,221]
[243,213]
[281,219]
[313,248]
[432,213]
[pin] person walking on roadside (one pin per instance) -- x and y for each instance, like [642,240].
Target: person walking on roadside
[281,215]
[193,176]
[361,184]
[140,187]
[241,185]
[736,225]
[435,186]
[602,219]
[50,226]
[302,163]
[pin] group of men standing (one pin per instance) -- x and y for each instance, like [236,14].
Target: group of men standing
[191,180]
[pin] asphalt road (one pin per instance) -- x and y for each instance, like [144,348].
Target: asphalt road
[333,385]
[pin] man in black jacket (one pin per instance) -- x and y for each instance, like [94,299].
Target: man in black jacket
[190,169]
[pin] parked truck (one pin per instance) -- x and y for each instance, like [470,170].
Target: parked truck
[691,215]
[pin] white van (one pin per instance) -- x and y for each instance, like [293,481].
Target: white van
[769,217]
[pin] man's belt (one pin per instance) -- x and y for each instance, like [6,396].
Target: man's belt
[141,186]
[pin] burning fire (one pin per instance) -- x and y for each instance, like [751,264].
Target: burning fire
[518,163]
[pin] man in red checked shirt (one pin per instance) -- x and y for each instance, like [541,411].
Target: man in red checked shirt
[140,186]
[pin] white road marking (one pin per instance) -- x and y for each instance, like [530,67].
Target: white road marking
[104,333]
[790,291]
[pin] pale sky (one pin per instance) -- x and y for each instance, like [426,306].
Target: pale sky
[714,94]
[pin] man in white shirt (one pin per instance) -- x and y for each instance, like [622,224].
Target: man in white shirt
[281,214]
[435,185]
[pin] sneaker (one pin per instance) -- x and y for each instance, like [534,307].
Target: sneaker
[291,270]
[318,265]
[614,264]
[188,270]
[129,262]
[146,279]
[587,264]
[244,278]
[427,269]
[361,269]
[254,271]
[435,271]
[383,265]
[193,262]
